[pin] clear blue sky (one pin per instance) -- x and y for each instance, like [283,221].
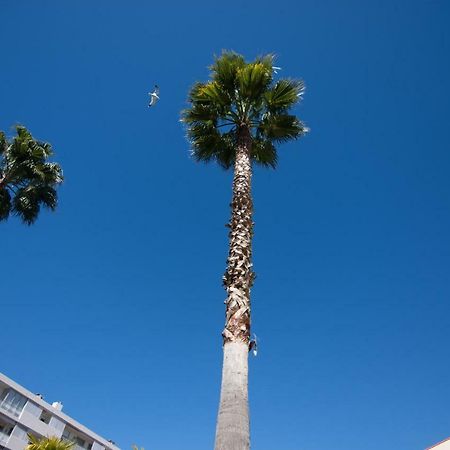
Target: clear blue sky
[114,304]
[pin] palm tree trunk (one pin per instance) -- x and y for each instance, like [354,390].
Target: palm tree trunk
[233,430]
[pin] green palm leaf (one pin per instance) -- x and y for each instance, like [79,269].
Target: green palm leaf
[241,94]
[26,205]
[3,143]
[210,145]
[200,113]
[264,153]
[212,93]
[284,95]
[224,71]
[48,443]
[5,204]
[27,178]
[281,127]
[253,80]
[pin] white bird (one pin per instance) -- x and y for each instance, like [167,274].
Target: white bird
[254,345]
[154,97]
[276,69]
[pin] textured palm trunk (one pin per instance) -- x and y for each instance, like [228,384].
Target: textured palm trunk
[233,430]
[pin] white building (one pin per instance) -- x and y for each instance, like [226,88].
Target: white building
[444,445]
[23,413]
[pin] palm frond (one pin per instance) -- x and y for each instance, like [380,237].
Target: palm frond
[52,173]
[267,61]
[254,79]
[27,178]
[22,133]
[3,143]
[264,153]
[241,95]
[5,203]
[208,144]
[40,150]
[226,156]
[212,93]
[48,443]
[224,70]
[284,95]
[26,205]
[200,113]
[193,92]
[46,195]
[281,127]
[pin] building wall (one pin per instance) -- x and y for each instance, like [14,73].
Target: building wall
[444,445]
[22,412]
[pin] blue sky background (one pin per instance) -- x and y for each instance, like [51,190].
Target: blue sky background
[113,304]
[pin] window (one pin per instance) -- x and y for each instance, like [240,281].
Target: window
[20,433]
[45,417]
[13,403]
[73,436]
[5,431]
[33,409]
[57,424]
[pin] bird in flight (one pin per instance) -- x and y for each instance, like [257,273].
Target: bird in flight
[154,97]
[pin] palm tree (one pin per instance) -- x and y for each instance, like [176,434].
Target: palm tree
[27,179]
[48,443]
[235,119]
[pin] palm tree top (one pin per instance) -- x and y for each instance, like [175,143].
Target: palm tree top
[48,443]
[27,178]
[241,96]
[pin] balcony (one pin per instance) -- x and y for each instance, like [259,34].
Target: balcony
[3,437]
[13,402]
[75,446]
[10,408]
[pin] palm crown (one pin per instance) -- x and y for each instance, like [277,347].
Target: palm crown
[27,179]
[48,443]
[242,95]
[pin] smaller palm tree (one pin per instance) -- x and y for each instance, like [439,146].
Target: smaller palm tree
[27,179]
[48,443]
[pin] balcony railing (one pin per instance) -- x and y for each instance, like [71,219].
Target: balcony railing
[3,437]
[75,445]
[12,409]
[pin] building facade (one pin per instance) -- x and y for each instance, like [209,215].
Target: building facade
[444,445]
[23,413]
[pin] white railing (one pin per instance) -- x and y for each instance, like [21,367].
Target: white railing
[12,409]
[75,445]
[3,437]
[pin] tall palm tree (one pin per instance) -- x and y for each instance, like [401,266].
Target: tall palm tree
[48,443]
[235,119]
[27,179]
